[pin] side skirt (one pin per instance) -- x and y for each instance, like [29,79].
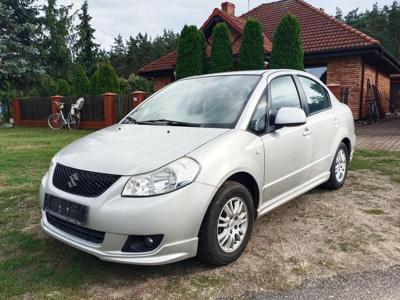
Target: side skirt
[290,195]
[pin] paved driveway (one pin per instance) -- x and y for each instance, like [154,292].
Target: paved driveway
[384,135]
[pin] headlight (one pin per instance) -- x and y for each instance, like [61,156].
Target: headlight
[52,163]
[164,180]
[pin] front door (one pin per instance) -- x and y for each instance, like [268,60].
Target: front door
[288,150]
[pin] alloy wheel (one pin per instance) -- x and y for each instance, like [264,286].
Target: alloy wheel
[340,165]
[232,225]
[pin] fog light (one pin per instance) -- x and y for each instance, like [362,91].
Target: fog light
[142,243]
[148,241]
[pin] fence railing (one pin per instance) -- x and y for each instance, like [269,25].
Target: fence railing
[36,108]
[123,104]
[98,111]
[93,108]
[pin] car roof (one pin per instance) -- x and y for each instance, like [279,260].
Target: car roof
[252,72]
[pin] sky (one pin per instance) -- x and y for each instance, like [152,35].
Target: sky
[129,17]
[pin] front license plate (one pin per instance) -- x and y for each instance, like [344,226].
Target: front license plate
[70,211]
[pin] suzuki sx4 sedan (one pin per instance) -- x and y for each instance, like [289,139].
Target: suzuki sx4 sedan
[188,171]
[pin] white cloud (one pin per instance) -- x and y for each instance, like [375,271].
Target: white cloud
[129,17]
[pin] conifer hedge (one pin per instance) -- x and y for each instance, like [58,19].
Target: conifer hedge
[191,52]
[252,48]
[221,49]
[287,52]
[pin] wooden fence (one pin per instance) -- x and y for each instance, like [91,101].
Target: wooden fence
[98,111]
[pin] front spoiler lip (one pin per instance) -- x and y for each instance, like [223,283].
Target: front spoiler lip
[165,254]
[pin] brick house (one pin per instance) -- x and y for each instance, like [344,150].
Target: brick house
[341,56]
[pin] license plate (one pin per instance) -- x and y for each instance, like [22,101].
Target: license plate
[70,211]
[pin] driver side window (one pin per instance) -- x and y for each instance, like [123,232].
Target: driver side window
[283,94]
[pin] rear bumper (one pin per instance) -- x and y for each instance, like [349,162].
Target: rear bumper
[177,216]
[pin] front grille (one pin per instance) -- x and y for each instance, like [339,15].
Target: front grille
[83,233]
[82,183]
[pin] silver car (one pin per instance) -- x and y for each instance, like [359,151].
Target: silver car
[188,171]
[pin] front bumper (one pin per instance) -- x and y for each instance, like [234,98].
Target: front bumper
[177,215]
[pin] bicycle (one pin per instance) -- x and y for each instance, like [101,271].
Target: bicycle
[57,121]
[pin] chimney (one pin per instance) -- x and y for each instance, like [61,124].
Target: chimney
[228,7]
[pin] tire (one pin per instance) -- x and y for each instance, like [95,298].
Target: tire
[73,122]
[210,249]
[55,121]
[338,176]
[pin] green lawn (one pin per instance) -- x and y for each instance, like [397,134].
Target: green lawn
[34,265]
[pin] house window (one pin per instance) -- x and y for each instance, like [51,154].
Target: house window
[318,71]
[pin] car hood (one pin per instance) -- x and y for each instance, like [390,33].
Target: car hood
[134,149]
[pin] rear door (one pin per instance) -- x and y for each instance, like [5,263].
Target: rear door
[288,150]
[322,123]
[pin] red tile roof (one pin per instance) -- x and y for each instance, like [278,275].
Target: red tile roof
[320,32]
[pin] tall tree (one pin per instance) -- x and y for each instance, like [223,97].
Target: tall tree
[252,48]
[57,23]
[393,29]
[221,49]
[19,43]
[190,59]
[339,14]
[287,52]
[118,56]
[85,47]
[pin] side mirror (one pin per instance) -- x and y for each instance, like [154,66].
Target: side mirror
[290,116]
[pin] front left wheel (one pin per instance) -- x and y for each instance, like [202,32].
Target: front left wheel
[227,225]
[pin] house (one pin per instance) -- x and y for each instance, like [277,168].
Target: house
[341,56]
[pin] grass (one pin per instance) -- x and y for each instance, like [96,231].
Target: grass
[39,267]
[384,162]
[32,264]
[375,212]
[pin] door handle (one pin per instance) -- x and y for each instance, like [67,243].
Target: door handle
[307,132]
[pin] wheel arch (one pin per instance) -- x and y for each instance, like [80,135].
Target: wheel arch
[250,183]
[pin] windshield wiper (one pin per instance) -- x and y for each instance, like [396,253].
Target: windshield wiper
[129,119]
[169,122]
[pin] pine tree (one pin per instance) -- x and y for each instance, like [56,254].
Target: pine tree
[105,80]
[118,56]
[190,59]
[392,31]
[85,47]
[80,82]
[221,49]
[20,63]
[252,48]
[57,23]
[287,52]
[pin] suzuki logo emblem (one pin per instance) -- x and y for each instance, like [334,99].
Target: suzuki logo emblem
[73,179]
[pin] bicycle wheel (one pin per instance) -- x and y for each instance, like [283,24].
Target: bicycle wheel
[73,122]
[55,121]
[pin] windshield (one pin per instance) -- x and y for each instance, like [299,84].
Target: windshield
[215,101]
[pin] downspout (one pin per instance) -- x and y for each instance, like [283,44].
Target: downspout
[360,112]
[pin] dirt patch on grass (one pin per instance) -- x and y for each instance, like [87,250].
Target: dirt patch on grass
[320,234]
